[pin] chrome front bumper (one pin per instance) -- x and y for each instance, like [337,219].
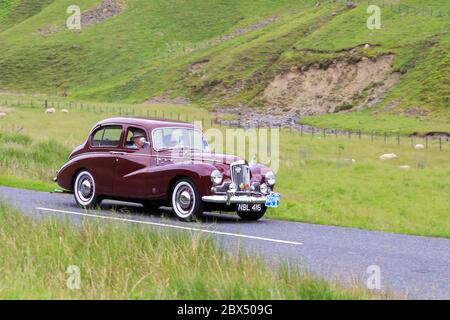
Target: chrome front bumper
[234,199]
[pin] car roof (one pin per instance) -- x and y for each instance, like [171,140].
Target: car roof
[149,123]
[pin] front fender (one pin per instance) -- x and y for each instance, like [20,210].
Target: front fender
[199,173]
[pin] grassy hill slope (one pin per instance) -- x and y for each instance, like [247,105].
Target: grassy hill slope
[13,12]
[223,52]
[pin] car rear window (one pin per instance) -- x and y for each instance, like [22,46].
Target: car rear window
[107,137]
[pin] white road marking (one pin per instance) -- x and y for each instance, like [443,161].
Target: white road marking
[170,226]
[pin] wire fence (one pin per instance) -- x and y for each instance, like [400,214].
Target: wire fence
[441,141]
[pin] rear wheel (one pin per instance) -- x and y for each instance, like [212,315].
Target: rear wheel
[186,202]
[252,215]
[85,190]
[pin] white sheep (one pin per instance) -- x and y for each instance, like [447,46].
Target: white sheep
[50,110]
[388,156]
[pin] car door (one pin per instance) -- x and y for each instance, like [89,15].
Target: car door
[104,143]
[132,175]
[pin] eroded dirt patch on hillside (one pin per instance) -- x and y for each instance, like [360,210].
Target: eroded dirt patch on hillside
[341,86]
[313,90]
[167,100]
[104,11]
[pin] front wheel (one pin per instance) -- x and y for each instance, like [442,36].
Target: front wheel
[186,202]
[252,215]
[84,190]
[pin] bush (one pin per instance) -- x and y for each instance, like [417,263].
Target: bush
[343,107]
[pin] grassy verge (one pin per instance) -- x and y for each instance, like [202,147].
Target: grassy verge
[367,122]
[317,181]
[34,185]
[35,255]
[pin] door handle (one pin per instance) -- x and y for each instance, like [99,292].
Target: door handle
[117,153]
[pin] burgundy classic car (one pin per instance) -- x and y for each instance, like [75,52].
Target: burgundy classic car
[164,163]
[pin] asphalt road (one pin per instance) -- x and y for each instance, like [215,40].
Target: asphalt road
[410,266]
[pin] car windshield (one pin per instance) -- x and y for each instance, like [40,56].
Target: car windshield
[179,138]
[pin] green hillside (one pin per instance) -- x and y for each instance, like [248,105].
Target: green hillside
[224,52]
[13,12]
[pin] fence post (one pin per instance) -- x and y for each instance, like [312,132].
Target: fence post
[324,132]
[359,134]
[440,143]
[426,141]
[301,130]
[398,139]
[385,138]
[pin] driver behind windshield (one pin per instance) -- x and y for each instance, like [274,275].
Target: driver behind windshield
[139,139]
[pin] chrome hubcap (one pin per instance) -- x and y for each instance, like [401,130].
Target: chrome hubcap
[86,188]
[185,199]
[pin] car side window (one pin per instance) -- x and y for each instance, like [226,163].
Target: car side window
[107,137]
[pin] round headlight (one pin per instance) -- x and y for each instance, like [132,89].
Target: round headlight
[270,178]
[216,177]
[263,188]
[232,187]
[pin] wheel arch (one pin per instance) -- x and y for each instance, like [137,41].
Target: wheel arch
[75,174]
[174,180]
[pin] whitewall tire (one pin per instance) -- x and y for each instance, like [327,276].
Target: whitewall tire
[186,202]
[84,190]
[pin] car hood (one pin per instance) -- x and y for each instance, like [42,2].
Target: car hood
[214,157]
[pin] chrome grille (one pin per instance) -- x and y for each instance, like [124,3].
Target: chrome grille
[240,174]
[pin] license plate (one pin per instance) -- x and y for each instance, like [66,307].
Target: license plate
[273,200]
[246,207]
